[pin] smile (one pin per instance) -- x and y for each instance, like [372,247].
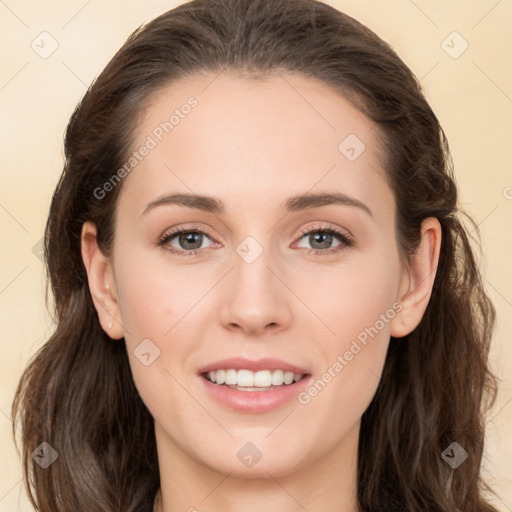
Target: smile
[247,380]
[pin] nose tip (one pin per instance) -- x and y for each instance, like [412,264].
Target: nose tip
[255,301]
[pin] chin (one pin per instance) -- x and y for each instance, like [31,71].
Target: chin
[250,462]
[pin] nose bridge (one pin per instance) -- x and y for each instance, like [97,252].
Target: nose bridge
[256,298]
[251,265]
[252,274]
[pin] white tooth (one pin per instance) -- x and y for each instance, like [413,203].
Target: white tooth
[262,379]
[231,376]
[245,378]
[220,376]
[239,388]
[288,377]
[277,377]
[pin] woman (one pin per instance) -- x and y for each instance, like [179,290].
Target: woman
[261,280]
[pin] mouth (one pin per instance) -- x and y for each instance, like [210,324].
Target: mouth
[251,386]
[247,380]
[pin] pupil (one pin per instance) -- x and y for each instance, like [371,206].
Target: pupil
[318,235]
[188,238]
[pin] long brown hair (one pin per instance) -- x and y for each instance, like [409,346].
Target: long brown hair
[78,394]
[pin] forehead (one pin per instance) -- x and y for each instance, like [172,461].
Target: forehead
[231,136]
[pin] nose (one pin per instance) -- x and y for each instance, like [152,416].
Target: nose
[255,299]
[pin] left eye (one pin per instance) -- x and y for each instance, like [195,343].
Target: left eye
[322,239]
[187,240]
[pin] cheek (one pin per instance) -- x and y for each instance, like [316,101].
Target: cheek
[351,297]
[152,298]
[357,305]
[344,386]
[154,301]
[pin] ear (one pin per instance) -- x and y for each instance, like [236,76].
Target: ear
[418,281]
[101,282]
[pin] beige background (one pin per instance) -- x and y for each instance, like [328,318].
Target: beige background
[471,95]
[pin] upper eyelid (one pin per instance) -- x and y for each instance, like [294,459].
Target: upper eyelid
[176,231]
[326,227]
[320,227]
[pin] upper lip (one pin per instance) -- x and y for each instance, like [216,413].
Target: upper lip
[267,363]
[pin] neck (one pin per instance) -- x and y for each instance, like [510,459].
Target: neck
[327,483]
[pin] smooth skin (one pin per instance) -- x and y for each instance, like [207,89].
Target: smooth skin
[253,144]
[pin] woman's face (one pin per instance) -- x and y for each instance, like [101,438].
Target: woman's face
[255,278]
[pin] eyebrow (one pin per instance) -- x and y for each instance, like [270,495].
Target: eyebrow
[293,204]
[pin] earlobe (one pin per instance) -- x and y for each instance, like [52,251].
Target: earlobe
[419,279]
[101,282]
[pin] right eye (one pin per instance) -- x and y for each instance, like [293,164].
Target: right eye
[183,241]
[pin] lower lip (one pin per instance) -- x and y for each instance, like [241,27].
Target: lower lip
[255,401]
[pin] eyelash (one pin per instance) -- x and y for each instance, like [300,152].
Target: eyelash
[346,241]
